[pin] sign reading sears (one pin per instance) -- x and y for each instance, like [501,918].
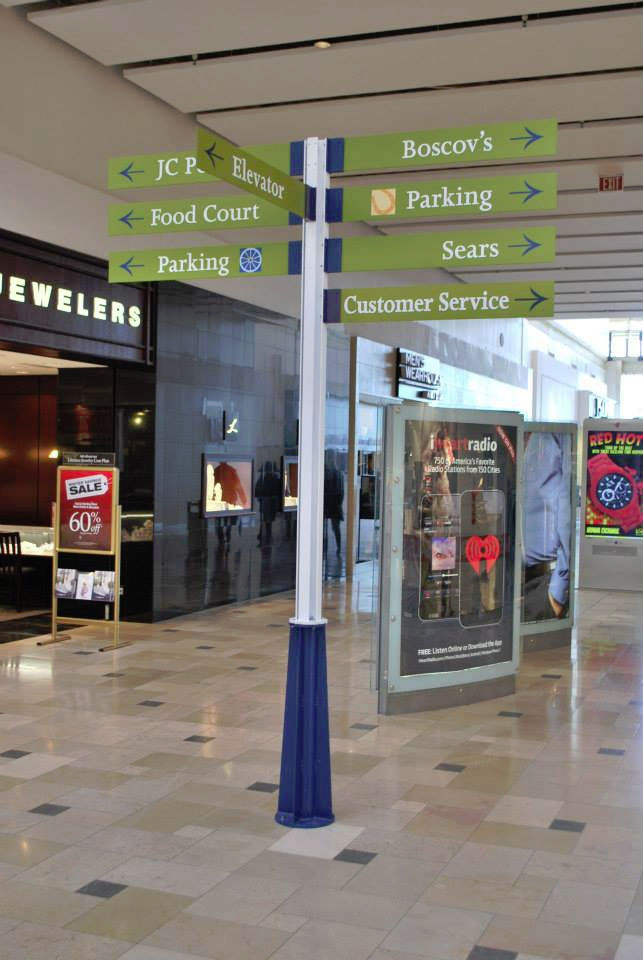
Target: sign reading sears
[93,486]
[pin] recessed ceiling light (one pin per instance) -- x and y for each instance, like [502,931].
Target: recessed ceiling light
[321,44]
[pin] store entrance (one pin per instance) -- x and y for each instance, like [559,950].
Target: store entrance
[29,417]
[368,476]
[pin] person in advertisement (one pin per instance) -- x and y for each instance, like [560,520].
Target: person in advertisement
[614,503]
[546,525]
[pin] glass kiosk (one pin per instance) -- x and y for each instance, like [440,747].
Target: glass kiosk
[449,621]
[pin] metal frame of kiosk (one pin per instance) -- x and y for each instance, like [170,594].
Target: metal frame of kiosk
[611,559]
[546,634]
[497,645]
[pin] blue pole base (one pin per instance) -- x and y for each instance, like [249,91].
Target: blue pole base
[305,799]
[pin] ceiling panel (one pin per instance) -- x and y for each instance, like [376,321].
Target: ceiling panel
[568,99]
[563,47]
[125,31]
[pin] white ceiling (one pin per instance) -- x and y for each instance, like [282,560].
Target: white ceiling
[14,364]
[575,60]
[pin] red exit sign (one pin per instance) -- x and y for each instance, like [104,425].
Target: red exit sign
[614,182]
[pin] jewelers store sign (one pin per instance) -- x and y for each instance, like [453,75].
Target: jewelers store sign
[50,299]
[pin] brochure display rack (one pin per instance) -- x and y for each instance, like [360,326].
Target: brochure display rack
[87,523]
[450,598]
[548,534]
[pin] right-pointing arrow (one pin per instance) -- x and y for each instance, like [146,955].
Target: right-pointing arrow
[128,266]
[527,246]
[529,193]
[531,137]
[535,300]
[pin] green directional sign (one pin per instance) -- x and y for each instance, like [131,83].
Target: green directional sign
[222,159]
[450,301]
[470,197]
[423,148]
[208,213]
[169,169]
[452,249]
[216,262]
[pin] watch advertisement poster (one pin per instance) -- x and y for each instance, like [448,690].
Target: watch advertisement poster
[547,525]
[614,483]
[458,549]
[86,499]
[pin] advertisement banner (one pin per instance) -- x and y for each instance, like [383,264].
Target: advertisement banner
[614,483]
[547,525]
[458,547]
[86,498]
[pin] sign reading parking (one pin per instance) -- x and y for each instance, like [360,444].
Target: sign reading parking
[216,262]
[439,302]
[467,197]
[208,213]
[472,144]
[222,159]
[454,249]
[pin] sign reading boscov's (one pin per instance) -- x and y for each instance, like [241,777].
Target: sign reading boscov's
[494,141]
[437,302]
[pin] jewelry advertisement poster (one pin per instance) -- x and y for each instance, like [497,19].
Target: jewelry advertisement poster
[459,514]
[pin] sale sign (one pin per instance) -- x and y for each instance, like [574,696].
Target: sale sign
[86,498]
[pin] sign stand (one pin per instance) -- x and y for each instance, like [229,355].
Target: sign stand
[114,550]
[305,784]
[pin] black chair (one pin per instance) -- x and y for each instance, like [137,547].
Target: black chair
[11,564]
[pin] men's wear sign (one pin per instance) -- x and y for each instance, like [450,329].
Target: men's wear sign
[471,145]
[86,502]
[458,551]
[614,484]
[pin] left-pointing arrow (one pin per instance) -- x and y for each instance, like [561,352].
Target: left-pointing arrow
[128,266]
[535,300]
[527,246]
[213,155]
[128,217]
[129,173]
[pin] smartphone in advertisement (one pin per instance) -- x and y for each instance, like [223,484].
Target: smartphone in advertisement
[439,561]
[482,557]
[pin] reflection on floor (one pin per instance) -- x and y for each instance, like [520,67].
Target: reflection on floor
[137,794]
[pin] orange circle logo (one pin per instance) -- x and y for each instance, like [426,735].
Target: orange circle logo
[383,202]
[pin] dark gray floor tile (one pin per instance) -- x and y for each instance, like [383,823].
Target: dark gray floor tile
[355,856]
[509,713]
[491,953]
[573,826]
[452,767]
[49,809]
[263,787]
[197,738]
[151,703]
[611,752]
[102,888]
[364,726]
[15,754]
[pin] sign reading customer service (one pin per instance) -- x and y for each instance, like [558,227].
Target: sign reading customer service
[439,302]
[471,144]
[222,159]
[86,500]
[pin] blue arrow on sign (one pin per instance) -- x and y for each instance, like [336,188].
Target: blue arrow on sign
[128,173]
[128,266]
[536,301]
[530,138]
[127,218]
[211,153]
[527,246]
[528,194]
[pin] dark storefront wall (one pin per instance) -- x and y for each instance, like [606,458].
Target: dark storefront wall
[216,355]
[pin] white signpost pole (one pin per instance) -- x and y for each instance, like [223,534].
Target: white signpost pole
[305,784]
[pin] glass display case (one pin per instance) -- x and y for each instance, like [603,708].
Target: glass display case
[137,527]
[34,541]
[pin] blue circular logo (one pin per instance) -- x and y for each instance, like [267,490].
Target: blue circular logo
[250,260]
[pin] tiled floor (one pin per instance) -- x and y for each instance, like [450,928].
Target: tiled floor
[137,796]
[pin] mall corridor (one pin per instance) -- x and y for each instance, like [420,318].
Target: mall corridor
[137,800]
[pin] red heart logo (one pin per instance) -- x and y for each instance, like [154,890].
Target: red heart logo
[482,548]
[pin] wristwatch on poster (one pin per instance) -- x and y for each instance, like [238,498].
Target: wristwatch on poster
[615,491]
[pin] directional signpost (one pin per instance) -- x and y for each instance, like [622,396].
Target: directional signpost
[470,197]
[268,174]
[439,302]
[453,249]
[197,263]
[220,158]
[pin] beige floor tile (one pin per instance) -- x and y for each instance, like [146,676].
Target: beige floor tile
[27,901]
[330,941]
[588,904]
[559,866]
[630,948]
[325,843]
[37,941]
[130,915]
[344,906]
[248,899]
[398,877]
[524,898]
[531,838]
[72,868]
[132,842]
[299,870]
[217,939]
[228,849]
[26,852]
[524,811]
[142,952]
[167,876]
[541,938]
[486,862]
[438,933]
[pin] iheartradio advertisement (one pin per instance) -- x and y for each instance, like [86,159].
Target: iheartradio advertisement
[86,509]
[460,503]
